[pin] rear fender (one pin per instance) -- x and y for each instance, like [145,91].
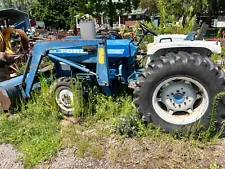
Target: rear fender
[214,47]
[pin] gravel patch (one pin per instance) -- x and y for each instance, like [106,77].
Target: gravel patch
[66,160]
[10,157]
[128,154]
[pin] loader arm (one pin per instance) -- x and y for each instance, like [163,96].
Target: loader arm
[21,86]
[41,49]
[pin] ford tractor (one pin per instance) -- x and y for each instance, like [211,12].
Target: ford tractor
[174,88]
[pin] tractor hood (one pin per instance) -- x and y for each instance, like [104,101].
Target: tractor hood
[115,48]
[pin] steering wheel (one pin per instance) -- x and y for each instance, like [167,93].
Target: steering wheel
[146,30]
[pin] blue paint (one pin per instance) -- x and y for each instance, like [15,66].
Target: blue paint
[103,69]
[191,36]
[115,48]
[11,83]
[84,60]
[178,98]
[21,25]
[71,64]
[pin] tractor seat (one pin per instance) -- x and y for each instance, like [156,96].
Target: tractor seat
[201,34]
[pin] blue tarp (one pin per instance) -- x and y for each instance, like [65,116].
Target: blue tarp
[15,17]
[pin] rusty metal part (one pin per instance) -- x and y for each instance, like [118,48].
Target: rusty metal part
[2,43]
[24,39]
[22,49]
[6,34]
[5,102]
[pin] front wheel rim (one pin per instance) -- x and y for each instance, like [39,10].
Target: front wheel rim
[180,100]
[64,99]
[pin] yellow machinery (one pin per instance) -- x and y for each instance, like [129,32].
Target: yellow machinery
[14,46]
[5,37]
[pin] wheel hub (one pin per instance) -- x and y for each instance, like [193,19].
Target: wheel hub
[178,96]
[65,98]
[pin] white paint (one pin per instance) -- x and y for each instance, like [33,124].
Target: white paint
[119,22]
[220,24]
[80,51]
[40,24]
[102,20]
[178,41]
[76,22]
[195,114]
[116,51]
[65,66]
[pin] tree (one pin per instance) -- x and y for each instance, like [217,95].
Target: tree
[18,4]
[151,5]
[110,8]
[54,13]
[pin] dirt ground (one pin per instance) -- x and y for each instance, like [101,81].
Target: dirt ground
[129,154]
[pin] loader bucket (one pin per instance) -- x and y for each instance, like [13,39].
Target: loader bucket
[5,102]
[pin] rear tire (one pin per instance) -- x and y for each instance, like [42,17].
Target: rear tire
[177,91]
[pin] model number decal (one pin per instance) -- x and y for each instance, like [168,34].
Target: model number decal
[81,51]
[115,51]
[68,51]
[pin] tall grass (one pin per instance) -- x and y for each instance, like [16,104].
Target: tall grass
[34,129]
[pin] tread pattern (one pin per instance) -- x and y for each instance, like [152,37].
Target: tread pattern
[172,59]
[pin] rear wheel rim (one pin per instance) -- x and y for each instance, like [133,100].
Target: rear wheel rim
[180,100]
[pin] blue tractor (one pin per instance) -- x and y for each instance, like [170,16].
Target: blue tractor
[174,88]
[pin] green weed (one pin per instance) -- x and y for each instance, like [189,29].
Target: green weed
[214,166]
[34,130]
[78,100]
[85,142]
[82,146]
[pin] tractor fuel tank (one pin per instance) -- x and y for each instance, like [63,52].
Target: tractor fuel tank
[118,48]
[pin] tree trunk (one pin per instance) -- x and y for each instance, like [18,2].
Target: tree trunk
[210,10]
[215,9]
[110,13]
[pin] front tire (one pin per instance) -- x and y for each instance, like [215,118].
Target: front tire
[62,90]
[177,91]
